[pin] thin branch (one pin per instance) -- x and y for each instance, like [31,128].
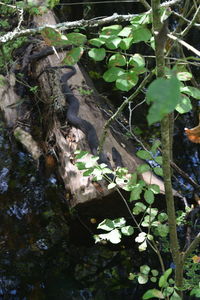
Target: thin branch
[67,25]
[186,30]
[184,19]
[186,45]
[192,247]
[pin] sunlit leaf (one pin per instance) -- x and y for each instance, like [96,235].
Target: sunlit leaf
[117,60]
[127,230]
[106,224]
[143,154]
[191,91]
[142,279]
[144,269]
[113,73]
[97,54]
[126,81]
[184,105]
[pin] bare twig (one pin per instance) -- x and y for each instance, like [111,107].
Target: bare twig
[192,22]
[186,45]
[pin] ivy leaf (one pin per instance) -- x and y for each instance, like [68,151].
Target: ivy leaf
[73,56]
[138,208]
[137,61]
[191,91]
[113,73]
[165,95]
[141,34]
[97,42]
[76,39]
[125,32]
[126,43]
[113,42]
[184,105]
[184,76]
[53,37]
[126,81]
[97,54]
[117,60]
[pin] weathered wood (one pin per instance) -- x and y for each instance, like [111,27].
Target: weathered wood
[81,189]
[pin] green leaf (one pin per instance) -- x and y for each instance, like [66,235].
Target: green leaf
[143,168]
[97,42]
[112,74]
[153,293]
[165,95]
[126,81]
[175,296]
[117,60]
[76,39]
[73,56]
[113,42]
[155,146]
[144,269]
[184,105]
[159,160]
[149,196]
[191,91]
[154,272]
[152,211]
[163,230]
[111,30]
[168,291]
[141,237]
[162,217]
[88,172]
[138,208]
[142,19]
[141,34]
[158,171]
[113,236]
[143,154]
[111,185]
[53,37]
[137,61]
[106,224]
[120,222]
[97,54]
[154,188]
[184,76]
[126,43]
[163,279]
[125,32]
[143,246]
[142,279]
[80,165]
[127,230]
[136,191]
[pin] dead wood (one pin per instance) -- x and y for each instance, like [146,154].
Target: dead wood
[68,139]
